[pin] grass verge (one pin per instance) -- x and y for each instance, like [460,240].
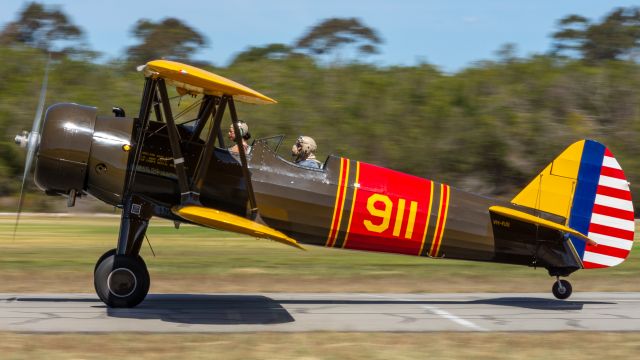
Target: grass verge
[320,346]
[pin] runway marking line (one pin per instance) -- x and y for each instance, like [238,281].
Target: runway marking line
[442,313]
[449,316]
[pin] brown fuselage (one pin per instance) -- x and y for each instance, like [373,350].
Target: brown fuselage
[354,205]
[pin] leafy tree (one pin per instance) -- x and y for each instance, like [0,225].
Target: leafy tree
[332,34]
[168,38]
[572,34]
[258,53]
[43,28]
[618,35]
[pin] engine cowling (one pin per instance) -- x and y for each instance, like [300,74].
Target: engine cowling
[82,152]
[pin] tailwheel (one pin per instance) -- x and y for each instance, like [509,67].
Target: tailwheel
[121,281]
[561,289]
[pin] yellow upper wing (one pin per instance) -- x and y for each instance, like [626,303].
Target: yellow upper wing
[222,220]
[195,80]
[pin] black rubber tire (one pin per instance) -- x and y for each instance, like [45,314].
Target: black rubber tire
[127,274]
[562,294]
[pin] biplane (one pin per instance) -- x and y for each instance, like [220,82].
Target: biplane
[576,213]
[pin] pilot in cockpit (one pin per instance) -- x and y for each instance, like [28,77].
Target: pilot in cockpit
[303,152]
[244,132]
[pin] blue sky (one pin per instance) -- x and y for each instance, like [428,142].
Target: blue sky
[451,34]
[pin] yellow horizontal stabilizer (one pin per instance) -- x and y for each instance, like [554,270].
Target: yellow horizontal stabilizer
[522,216]
[225,221]
[195,80]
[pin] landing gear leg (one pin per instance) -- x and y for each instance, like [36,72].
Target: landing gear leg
[121,278]
[561,289]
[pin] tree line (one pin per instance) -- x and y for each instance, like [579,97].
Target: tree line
[488,128]
[48,28]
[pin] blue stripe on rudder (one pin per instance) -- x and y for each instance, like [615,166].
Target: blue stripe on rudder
[585,194]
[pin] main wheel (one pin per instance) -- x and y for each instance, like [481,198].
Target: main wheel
[121,281]
[561,289]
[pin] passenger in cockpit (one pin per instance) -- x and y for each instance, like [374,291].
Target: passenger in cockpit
[303,152]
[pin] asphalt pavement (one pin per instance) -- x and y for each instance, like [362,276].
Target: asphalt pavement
[283,312]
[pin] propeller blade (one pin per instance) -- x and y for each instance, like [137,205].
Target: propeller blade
[33,140]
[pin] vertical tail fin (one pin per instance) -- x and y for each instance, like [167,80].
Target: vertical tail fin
[586,185]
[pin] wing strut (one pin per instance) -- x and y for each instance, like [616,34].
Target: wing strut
[207,153]
[243,157]
[186,195]
[131,223]
[208,107]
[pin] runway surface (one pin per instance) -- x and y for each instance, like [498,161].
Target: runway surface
[323,312]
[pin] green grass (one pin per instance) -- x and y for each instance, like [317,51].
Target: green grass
[196,259]
[320,346]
